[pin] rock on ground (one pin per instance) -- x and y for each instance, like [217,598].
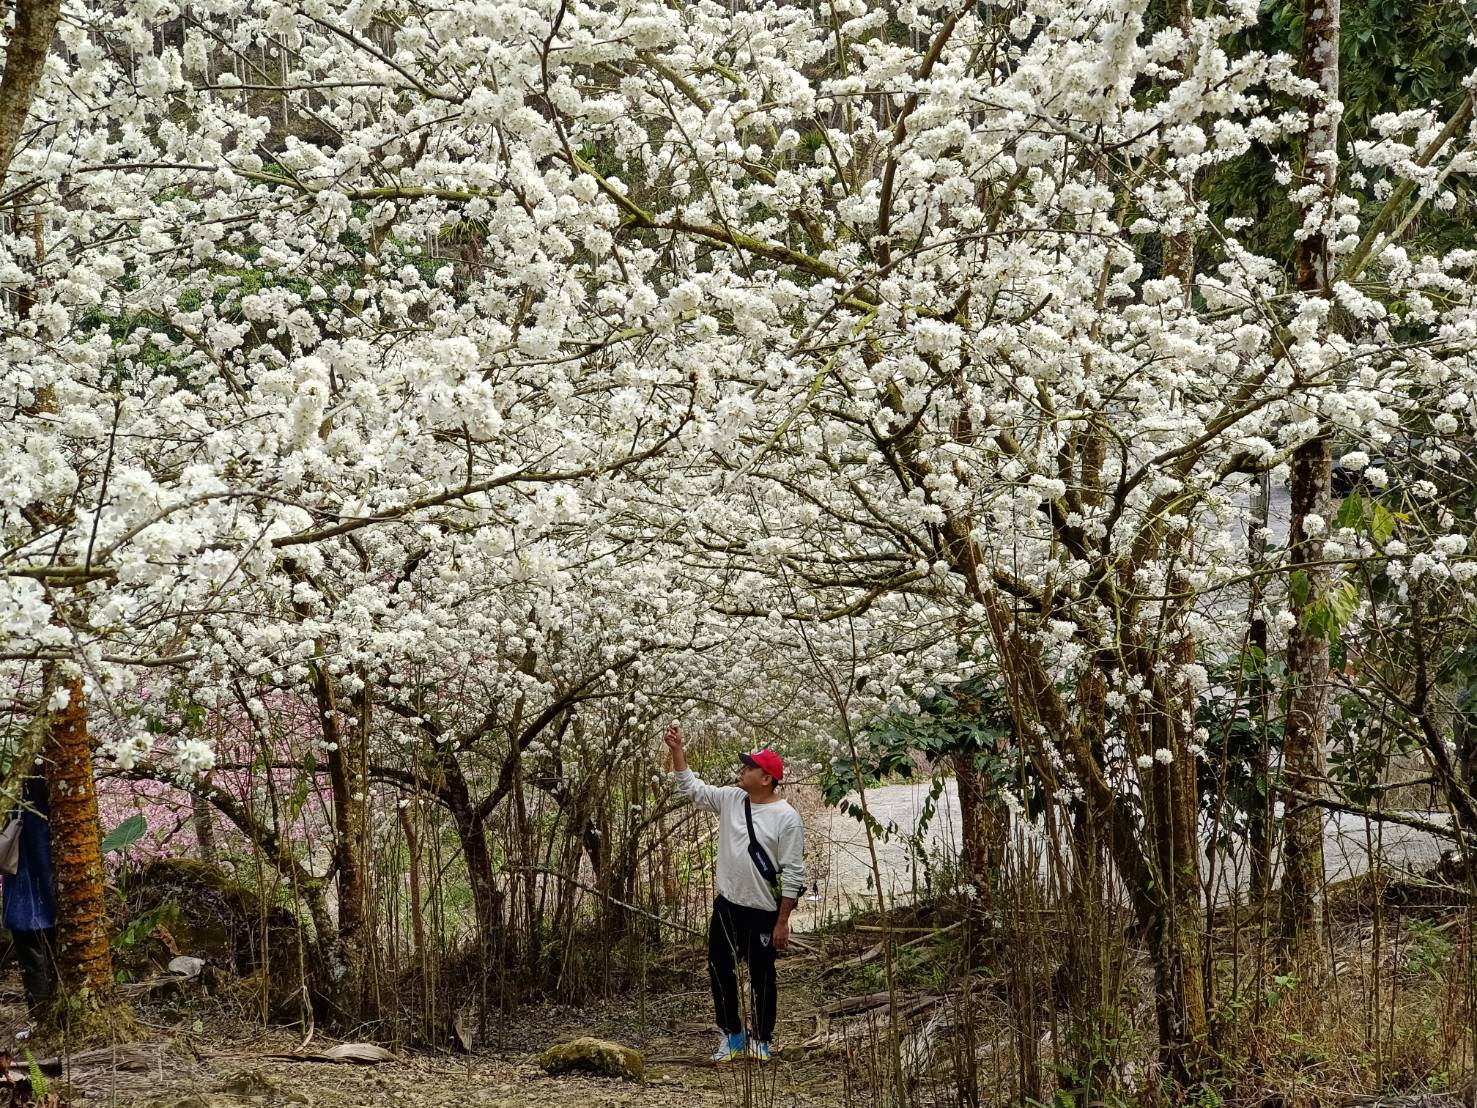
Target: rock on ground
[588,1055]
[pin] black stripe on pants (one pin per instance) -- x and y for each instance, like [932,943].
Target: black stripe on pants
[737,933]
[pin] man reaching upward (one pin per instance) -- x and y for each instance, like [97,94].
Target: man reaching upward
[760,878]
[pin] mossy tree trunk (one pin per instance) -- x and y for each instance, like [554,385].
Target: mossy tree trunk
[84,958]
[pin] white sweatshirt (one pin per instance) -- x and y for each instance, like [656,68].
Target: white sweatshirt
[778,829]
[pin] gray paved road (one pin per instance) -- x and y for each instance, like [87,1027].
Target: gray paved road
[844,867]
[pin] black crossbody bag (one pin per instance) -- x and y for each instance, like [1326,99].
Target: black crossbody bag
[760,856]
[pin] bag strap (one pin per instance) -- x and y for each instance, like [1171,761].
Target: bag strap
[762,861]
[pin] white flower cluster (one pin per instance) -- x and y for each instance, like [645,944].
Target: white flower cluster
[483,383]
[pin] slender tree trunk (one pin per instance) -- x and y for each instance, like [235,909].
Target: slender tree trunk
[984,823]
[1170,920]
[1305,731]
[351,948]
[528,840]
[410,823]
[1176,932]
[1179,249]
[350,822]
[417,911]
[487,902]
[470,823]
[25,59]
[369,921]
[471,832]
[1184,1026]
[203,820]
[1464,734]
[84,958]
[1260,827]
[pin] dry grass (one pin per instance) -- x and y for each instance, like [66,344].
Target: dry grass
[1393,1018]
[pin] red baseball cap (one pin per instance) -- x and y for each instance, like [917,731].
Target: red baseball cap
[767,760]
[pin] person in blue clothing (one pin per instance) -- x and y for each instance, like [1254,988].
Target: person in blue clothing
[30,898]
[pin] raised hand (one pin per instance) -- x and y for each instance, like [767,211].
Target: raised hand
[673,739]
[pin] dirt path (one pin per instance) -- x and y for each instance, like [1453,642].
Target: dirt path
[226,1065]
[476,1082]
[201,1072]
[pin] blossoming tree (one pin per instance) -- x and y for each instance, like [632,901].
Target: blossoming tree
[342,344]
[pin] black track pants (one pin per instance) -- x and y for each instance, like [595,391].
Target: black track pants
[735,934]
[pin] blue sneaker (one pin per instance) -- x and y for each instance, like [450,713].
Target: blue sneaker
[759,1051]
[731,1046]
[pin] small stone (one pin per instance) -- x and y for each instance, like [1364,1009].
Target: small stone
[588,1055]
[186,966]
